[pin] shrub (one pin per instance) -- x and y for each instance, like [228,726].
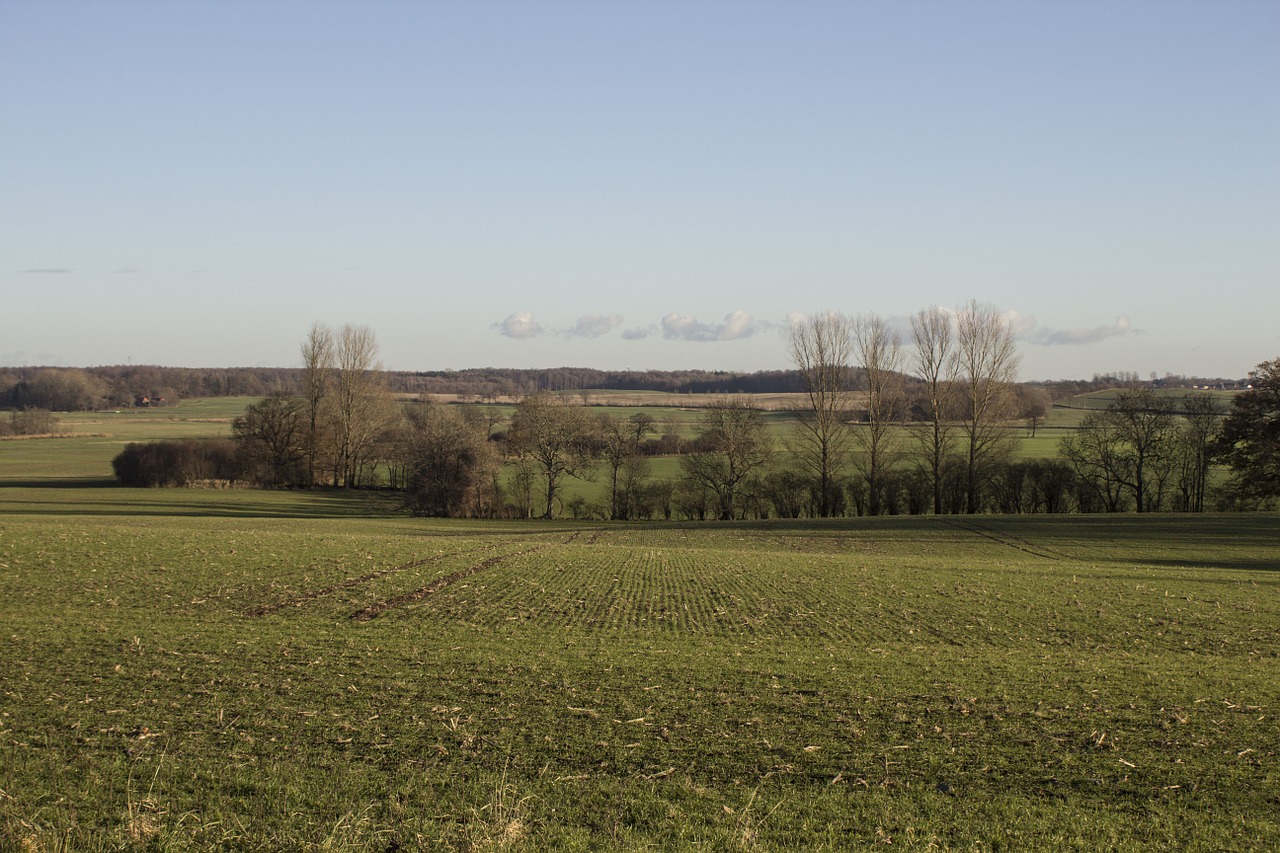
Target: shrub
[182,462]
[30,422]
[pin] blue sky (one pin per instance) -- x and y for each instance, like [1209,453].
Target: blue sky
[636,184]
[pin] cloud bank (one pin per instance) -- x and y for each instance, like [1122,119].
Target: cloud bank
[522,326]
[1024,328]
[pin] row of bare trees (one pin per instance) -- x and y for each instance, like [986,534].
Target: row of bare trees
[1146,452]
[552,439]
[333,432]
[965,363]
[348,404]
[345,430]
[1150,452]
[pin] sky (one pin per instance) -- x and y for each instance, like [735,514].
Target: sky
[636,185]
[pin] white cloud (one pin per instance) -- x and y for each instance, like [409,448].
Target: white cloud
[1081,337]
[737,325]
[1027,328]
[1023,325]
[520,326]
[593,326]
[685,327]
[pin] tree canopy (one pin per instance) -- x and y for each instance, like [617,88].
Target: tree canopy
[1250,438]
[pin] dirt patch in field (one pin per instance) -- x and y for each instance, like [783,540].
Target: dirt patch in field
[375,610]
[303,598]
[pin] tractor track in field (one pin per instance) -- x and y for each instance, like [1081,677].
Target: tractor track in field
[303,598]
[1012,541]
[373,611]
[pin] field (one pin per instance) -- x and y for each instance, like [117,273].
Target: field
[242,670]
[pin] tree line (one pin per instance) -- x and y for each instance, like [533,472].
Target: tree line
[91,388]
[75,389]
[885,427]
[67,389]
[953,450]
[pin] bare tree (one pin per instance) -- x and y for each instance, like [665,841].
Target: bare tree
[317,377]
[731,445]
[1147,426]
[821,348]
[642,423]
[1032,405]
[619,443]
[1203,422]
[520,486]
[1096,454]
[451,463]
[1130,446]
[987,360]
[362,406]
[553,439]
[879,350]
[933,333]
[272,434]
[634,490]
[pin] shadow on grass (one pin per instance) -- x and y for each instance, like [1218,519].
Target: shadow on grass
[90,497]
[61,483]
[1246,564]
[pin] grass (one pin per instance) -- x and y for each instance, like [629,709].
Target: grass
[178,674]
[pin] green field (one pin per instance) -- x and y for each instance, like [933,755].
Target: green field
[244,670]
[252,670]
[90,440]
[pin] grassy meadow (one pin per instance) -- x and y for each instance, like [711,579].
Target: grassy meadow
[246,670]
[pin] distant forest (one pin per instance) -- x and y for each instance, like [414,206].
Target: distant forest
[117,386]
